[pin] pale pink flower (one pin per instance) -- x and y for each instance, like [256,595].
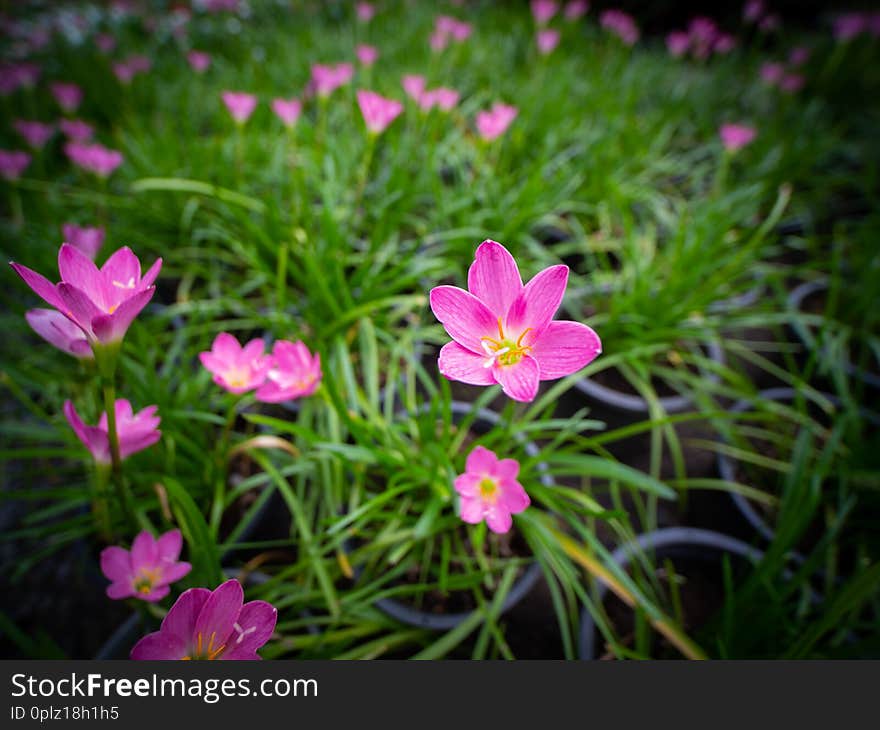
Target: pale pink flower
[36,134]
[438,41]
[493,123]
[199,61]
[105,42]
[367,55]
[76,129]
[87,240]
[59,331]
[365,12]
[736,136]
[237,369]
[442,97]
[576,9]
[140,63]
[753,10]
[95,158]
[544,10]
[13,163]
[414,86]
[295,373]
[504,332]
[327,78]
[123,72]
[677,43]
[547,40]
[621,24]
[287,110]
[68,96]
[488,490]
[378,112]
[724,43]
[136,431]
[239,104]
[772,72]
[461,31]
[147,571]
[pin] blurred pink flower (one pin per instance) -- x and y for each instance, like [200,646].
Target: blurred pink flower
[199,61]
[287,110]
[378,112]
[503,332]
[13,163]
[447,28]
[753,10]
[237,369]
[724,43]
[547,40]
[677,43]
[769,23]
[95,158]
[295,373]
[772,72]
[60,332]
[365,12]
[327,78]
[105,42]
[493,123]
[736,136]
[136,431]
[799,56]
[123,72]
[438,41]
[488,490]
[792,83]
[544,10]
[849,25]
[239,104]
[87,240]
[76,129]
[147,571]
[576,9]
[621,24]
[441,97]
[17,76]
[367,55]
[413,85]
[36,134]
[68,96]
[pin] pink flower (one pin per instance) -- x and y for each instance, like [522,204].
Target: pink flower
[59,331]
[295,373]
[493,123]
[94,157]
[772,72]
[677,43]
[378,112]
[792,83]
[239,104]
[724,43]
[237,369]
[36,134]
[105,42]
[799,56]
[205,624]
[769,23]
[576,9]
[365,12]
[367,55]
[503,332]
[488,490]
[136,431]
[849,25]
[76,129]
[326,79]
[413,85]
[621,24]
[438,41]
[461,31]
[736,136]
[199,61]
[543,10]
[87,240]
[441,97]
[13,163]
[287,110]
[753,10]
[16,76]
[447,28]
[148,570]
[140,64]
[68,96]
[123,72]
[101,302]
[547,40]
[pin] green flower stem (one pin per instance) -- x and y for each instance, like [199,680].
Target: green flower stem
[365,168]
[100,503]
[222,470]
[721,174]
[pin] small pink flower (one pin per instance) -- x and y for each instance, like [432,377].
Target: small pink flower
[414,86]
[136,431]
[105,42]
[59,331]
[799,56]
[13,163]
[211,625]
[438,41]
[76,130]
[87,240]
[753,10]
[295,373]
[140,64]
[576,9]
[101,302]
[461,31]
[367,55]
[36,134]
[677,43]
[792,83]
[378,112]
[442,97]
[123,72]
[17,76]
[199,61]
[237,369]
[365,12]
[239,104]
[444,24]
[547,40]
[327,78]
[493,123]
[769,23]
[724,43]
[287,110]
[488,490]
[772,72]
[94,157]
[503,332]
[621,24]
[147,571]
[736,136]
[68,96]
[849,25]
[544,10]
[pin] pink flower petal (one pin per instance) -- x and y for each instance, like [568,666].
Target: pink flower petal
[120,590]
[169,545]
[78,269]
[513,497]
[538,301]
[220,612]
[181,619]
[112,327]
[465,317]
[507,469]
[519,381]
[494,277]
[175,572]
[564,348]
[256,622]
[43,288]
[144,551]
[159,646]
[458,363]
[115,563]
[481,461]
[78,307]
[499,520]
[471,510]
[468,484]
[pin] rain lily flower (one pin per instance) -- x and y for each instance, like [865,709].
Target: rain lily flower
[68,96]
[87,240]
[295,373]
[237,369]
[205,624]
[59,331]
[724,43]
[378,112]
[438,41]
[199,61]
[543,10]
[488,490]
[140,64]
[441,97]
[547,39]
[504,332]
[16,76]
[239,104]
[36,134]
[101,302]
[365,12]
[621,24]
[753,10]
[105,42]
[702,32]
[677,43]
[136,431]
[76,129]
[576,9]
[493,123]
[95,158]
[849,25]
[326,79]
[413,85]
[367,55]
[13,163]
[799,56]
[123,72]
[147,571]
[447,28]
[736,136]
[287,110]
[772,72]
[792,83]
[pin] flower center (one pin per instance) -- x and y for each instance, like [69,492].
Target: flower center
[146,579]
[504,350]
[489,489]
[203,652]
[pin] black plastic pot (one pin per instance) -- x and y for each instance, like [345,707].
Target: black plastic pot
[795,302]
[694,543]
